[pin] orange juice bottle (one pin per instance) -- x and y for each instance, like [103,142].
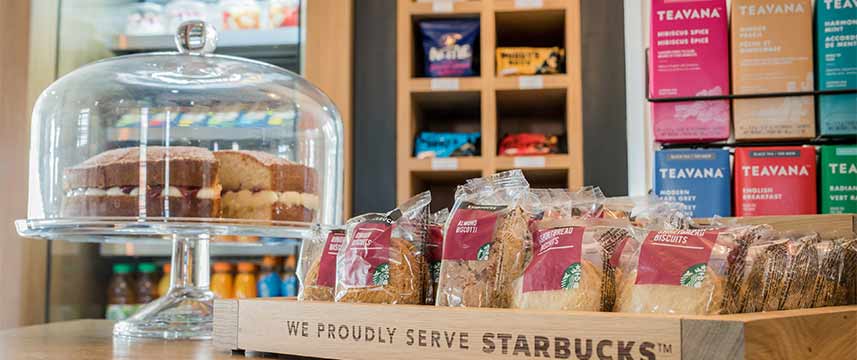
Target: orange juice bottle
[221,281]
[245,281]
[164,283]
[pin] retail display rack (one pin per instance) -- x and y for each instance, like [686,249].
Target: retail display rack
[488,103]
[372,331]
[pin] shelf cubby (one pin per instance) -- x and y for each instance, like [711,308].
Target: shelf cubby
[489,103]
[442,185]
[516,114]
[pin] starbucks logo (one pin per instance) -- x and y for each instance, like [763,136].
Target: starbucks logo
[693,276]
[482,254]
[382,275]
[571,277]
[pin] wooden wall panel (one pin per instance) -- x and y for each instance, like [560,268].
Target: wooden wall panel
[328,64]
[22,262]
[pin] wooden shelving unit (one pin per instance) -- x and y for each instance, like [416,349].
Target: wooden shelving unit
[489,103]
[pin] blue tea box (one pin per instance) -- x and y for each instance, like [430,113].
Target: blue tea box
[836,55]
[700,179]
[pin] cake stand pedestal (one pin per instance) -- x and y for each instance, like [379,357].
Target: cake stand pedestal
[186,311]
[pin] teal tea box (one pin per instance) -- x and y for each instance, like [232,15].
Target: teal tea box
[836,54]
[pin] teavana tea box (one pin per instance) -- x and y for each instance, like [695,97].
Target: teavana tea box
[700,179]
[772,53]
[775,180]
[688,56]
[836,59]
[838,179]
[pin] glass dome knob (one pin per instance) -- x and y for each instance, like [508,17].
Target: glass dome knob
[196,37]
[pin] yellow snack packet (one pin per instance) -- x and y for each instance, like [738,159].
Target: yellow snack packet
[530,61]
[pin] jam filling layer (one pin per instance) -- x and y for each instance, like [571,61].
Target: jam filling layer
[152,192]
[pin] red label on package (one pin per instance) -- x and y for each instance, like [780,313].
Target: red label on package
[365,260]
[556,259]
[327,263]
[677,257]
[775,181]
[471,232]
[616,258]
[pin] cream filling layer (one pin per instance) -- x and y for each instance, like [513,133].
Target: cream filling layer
[247,198]
[203,193]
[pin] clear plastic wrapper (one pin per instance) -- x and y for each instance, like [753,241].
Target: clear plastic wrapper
[801,273]
[587,201]
[434,253]
[829,288]
[485,242]
[687,271]
[573,265]
[382,260]
[849,272]
[317,267]
[648,211]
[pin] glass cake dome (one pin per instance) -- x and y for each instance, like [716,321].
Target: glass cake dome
[188,147]
[188,136]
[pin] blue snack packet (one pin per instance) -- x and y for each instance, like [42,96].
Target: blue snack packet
[700,179]
[449,47]
[441,145]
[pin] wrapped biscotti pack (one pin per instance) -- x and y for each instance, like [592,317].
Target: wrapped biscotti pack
[573,264]
[687,271]
[434,253]
[837,265]
[792,271]
[484,247]
[317,268]
[382,260]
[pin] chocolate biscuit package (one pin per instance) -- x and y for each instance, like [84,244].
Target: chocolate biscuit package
[485,244]
[317,268]
[382,260]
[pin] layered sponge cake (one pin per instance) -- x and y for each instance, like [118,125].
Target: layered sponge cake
[179,181]
[258,185]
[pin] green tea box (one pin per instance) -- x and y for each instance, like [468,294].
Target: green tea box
[838,179]
[836,58]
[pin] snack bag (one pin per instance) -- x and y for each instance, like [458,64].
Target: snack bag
[434,253]
[688,271]
[484,247]
[829,289]
[763,286]
[801,273]
[572,265]
[317,268]
[849,272]
[382,260]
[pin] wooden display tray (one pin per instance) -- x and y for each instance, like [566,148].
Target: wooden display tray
[328,330]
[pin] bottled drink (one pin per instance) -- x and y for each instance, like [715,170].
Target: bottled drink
[164,284]
[146,289]
[120,294]
[290,281]
[245,281]
[221,281]
[270,283]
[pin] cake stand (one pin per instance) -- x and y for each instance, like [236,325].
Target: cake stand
[185,312]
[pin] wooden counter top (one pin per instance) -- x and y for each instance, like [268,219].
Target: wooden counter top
[93,339]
